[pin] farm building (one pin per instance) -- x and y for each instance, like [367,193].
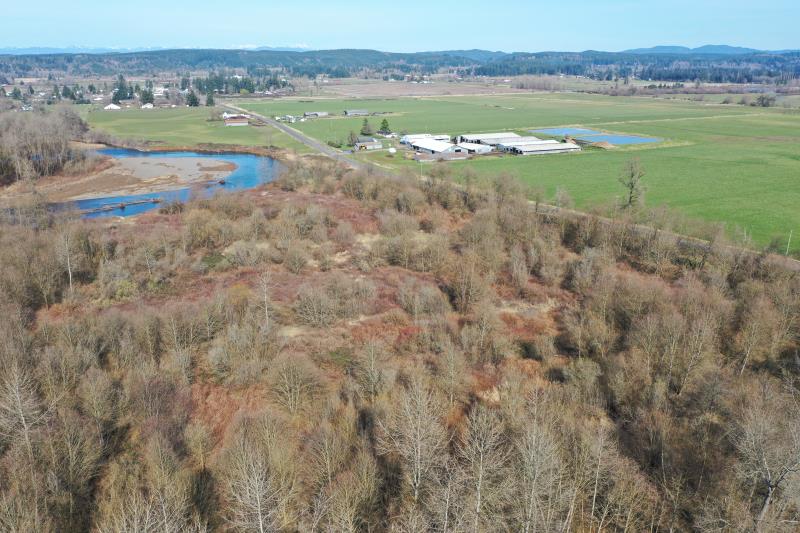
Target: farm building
[410,139]
[539,147]
[226,115]
[367,143]
[491,139]
[315,114]
[237,120]
[473,148]
[112,107]
[432,146]
[147,106]
[356,113]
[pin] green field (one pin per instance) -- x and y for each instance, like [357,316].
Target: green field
[729,163]
[185,127]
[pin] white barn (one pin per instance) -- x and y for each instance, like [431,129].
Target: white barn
[540,147]
[432,146]
[473,148]
[491,139]
[410,139]
[112,107]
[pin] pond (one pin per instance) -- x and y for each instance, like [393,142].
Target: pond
[251,171]
[583,134]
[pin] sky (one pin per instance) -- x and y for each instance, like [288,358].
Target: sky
[402,26]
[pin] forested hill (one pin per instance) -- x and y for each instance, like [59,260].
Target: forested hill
[705,64]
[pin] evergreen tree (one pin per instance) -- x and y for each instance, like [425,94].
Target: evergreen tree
[30,90]
[366,129]
[16,94]
[147,97]
[385,126]
[191,100]
[210,99]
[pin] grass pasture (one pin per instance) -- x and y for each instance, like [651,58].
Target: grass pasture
[185,127]
[721,163]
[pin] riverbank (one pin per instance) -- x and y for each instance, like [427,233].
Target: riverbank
[111,176]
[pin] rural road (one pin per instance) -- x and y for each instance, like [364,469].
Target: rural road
[314,144]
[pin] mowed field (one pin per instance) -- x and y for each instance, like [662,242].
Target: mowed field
[721,163]
[185,127]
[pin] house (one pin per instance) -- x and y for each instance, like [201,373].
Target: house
[112,107]
[432,146]
[237,120]
[491,139]
[226,115]
[473,148]
[410,139]
[541,147]
[147,106]
[356,113]
[315,114]
[367,143]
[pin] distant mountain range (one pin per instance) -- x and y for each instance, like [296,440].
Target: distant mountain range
[42,50]
[709,49]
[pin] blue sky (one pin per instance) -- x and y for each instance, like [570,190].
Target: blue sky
[406,25]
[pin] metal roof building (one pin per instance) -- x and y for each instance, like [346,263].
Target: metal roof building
[473,148]
[356,113]
[492,139]
[432,146]
[409,139]
[541,147]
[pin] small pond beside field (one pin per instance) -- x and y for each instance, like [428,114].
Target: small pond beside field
[583,134]
[251,171]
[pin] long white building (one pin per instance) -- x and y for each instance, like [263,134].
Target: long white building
[410,139]
[491,139]
[432,146]
[539,147]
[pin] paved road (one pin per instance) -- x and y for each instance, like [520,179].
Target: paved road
[299,136]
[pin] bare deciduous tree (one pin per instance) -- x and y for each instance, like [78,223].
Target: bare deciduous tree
[413,431]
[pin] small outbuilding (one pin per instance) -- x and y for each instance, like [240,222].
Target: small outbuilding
[367,143]
[148,106]
[237,120]
[315,114]
[112,107]
[356,113]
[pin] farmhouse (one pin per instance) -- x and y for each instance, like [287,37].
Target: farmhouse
[410,139]
[237,120]
[356,113]
[491,139]
[112,107]
[432,146]
[315,114]
[367,143]
[539,147]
